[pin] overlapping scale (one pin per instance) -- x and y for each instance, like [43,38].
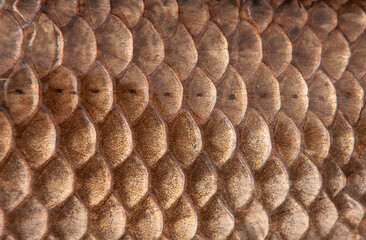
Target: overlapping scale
[360,133]
[55,182]
[167,181]
[166,91]
[357,60]
[147,220]
[80,46]
[236,187]
[148,46]
[306,180]
[185,138]
[349,97]
[292,16]
[355,173]
[218,222]
[254,139]
[38,139]
[316,138]
[108,221]
[71,220]
[78,138]
[323,19]
[343,143]
[201,181]
[286,138]
[163,14]
[15,181]
[333,177]
[322,98]
[220,138]
[43,45]
[96,93]
[62,12]
[93,181]
[245,47]
[61,93]
[292,221]
[277,49]
[194,14]
[350,210]
[352,21]
[232,96]
[261,13]
[116,138]
[253,221]
[11,41]
[22,93]
[181,53]
[213,58]
[335,54]
[225,14]
[94,12]
[306,52]
[132,92]
[264,93]
[273,184]
[150,136]
[294,94]
[323,215]
[6,135]
[341,231]
[26,10]
[129,10]
[181,220]
[131,180]
[200,95]
[114,44]
[29,220]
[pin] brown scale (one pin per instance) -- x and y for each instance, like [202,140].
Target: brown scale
[182,119]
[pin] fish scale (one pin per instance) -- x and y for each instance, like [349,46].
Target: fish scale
[182,119]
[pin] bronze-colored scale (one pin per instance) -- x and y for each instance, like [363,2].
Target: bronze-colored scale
[188,119]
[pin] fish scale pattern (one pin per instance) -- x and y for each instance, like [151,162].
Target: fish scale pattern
[188,119]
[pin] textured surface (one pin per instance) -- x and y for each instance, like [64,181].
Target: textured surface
[188,119]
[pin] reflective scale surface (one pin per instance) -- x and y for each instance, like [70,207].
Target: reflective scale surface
[188,119]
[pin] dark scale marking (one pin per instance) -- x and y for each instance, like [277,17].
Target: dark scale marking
[19,91]
[95,90]
[132,91]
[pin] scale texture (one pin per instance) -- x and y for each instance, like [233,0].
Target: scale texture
[188,119]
